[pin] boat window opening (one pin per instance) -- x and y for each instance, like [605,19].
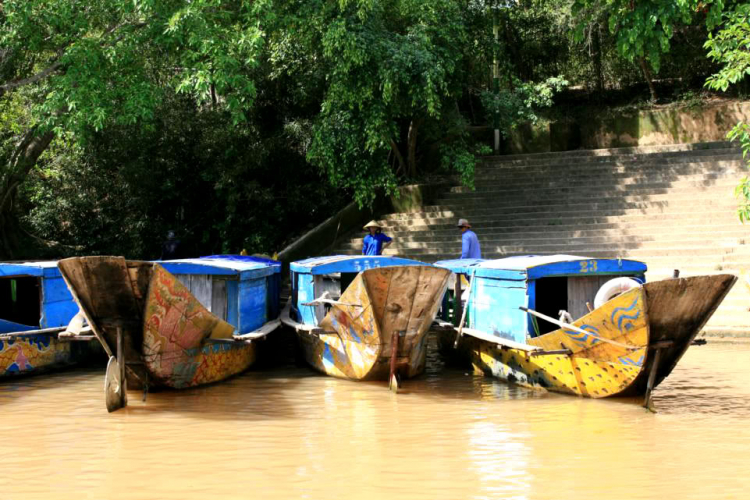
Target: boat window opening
[346,280]
[20,300]
[330,283]
[551,297]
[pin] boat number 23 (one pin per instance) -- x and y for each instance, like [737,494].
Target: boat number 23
[588,266]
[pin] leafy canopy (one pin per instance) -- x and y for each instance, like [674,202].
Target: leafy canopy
[730,46]
[644,28]
[108,61]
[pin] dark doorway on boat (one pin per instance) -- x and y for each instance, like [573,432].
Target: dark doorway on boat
[551,297]
[20,300]
[346,280]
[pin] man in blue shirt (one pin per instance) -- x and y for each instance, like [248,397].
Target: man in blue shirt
[375,242]
[469,241]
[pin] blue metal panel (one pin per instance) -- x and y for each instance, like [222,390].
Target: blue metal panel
[58,306]
[58,314]
[588,267]
[531,297]
[9,326]
[246,259]
[494,308]
[252,295]
[51,272]
[459,266]
[349,263]
[305,293]
[273,296]
[20,270]
[224,265]
[193,268]
[55,290]
[259,273]
[233,303]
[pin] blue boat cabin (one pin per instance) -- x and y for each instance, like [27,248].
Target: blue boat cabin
[242,290]
[33,296]
[311,278]
[547,284]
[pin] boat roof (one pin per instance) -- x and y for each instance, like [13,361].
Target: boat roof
[349,263]
[540,266]
[30,268]
[244,265]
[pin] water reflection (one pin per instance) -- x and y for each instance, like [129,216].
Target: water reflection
[287,432]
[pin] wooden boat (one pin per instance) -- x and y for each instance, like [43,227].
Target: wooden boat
[352,313]
[624,347]
[35,309]
[175,324]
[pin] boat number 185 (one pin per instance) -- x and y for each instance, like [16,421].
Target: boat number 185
[588,266]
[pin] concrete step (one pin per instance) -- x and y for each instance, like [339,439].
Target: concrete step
[665,157]
[553,216]
[635,186]
[626,242]
[670,148]
[635,232]
[572,172]
[725,253]
[566,208]
[717,192]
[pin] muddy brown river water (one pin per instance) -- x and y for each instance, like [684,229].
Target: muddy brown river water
[285,432]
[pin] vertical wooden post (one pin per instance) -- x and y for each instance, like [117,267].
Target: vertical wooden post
[651,378]
[457,305]
[392,379]
[121,366]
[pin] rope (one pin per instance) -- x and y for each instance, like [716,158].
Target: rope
[579,330]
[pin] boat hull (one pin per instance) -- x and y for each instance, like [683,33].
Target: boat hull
[665,315]
[381,306]
[177,349]
[168,338]
[39,354]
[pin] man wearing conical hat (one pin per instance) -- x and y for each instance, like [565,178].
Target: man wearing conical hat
[469,241]
[375,242]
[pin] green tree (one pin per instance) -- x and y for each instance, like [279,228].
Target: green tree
[643,29]
[730,46]
[391,70]
[82,66]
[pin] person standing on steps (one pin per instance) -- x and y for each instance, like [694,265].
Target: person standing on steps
[375,242]
[469,241]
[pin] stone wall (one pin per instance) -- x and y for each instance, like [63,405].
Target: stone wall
[660,126]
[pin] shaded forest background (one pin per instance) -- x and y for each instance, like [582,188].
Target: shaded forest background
[242,124]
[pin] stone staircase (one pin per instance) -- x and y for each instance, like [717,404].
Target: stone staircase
[672,207]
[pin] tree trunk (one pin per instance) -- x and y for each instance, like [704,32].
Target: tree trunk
[597,46]
[399,157]
[23,159]
[412,147]
[649,80]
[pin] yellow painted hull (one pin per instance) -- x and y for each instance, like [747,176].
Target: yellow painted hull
[355,339]
[667,314]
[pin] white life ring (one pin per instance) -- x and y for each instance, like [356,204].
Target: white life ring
[612,288]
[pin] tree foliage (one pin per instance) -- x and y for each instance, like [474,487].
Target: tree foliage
[82,66]
[242,123]
[643,29]
[730,46]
